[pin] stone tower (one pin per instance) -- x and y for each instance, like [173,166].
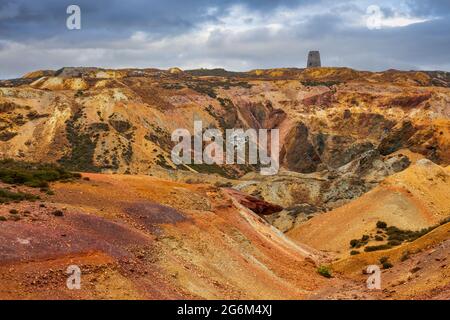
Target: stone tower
[314,59]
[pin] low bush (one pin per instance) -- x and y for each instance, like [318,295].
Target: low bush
[33,175]
[58,213]
[7,196]
[377,248]
[387,265]
[381,225]
[384,259]
[223,184]
[358,243]
[324,271]
[405,256]
[395,243]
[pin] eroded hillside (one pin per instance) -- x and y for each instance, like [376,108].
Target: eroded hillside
[144,238]
[121,120]
[364,176]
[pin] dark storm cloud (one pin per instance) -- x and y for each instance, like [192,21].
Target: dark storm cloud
[115,18]
[235,34]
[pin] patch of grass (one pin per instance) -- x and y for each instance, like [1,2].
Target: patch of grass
[309,83]
[210,169]
[33,175]
[7,196]
[377,248]
[162,162]
[324,271]
[82,147]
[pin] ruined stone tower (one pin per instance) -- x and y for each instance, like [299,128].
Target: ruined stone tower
[314,59]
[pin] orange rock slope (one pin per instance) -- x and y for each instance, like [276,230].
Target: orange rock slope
[145,238]
[416,198]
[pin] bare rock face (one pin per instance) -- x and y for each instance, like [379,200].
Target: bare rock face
[75,72]
[258,206]
[299,154]
[121,120]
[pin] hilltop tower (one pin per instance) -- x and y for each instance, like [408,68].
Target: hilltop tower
[314,59]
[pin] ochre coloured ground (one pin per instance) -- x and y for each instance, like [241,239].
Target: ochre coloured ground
[184,242]
[414,199]
[355,148]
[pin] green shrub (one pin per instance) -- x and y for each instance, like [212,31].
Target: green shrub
[354,253]
[7,196]
[377,248]
[13,211]
[223,184]
[354,243]
[58,213]
[405,256]
[310,83]
[2,218]
[381,225]
[397,236]
[395,243]
[387,265]
[324,271]
[33,175]
[445,221]
[384,259]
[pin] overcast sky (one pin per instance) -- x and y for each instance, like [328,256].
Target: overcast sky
[232,34]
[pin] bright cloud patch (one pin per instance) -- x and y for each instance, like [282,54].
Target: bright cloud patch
[376,19]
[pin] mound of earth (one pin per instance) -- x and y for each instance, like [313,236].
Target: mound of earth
[419,270]
[414,199]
